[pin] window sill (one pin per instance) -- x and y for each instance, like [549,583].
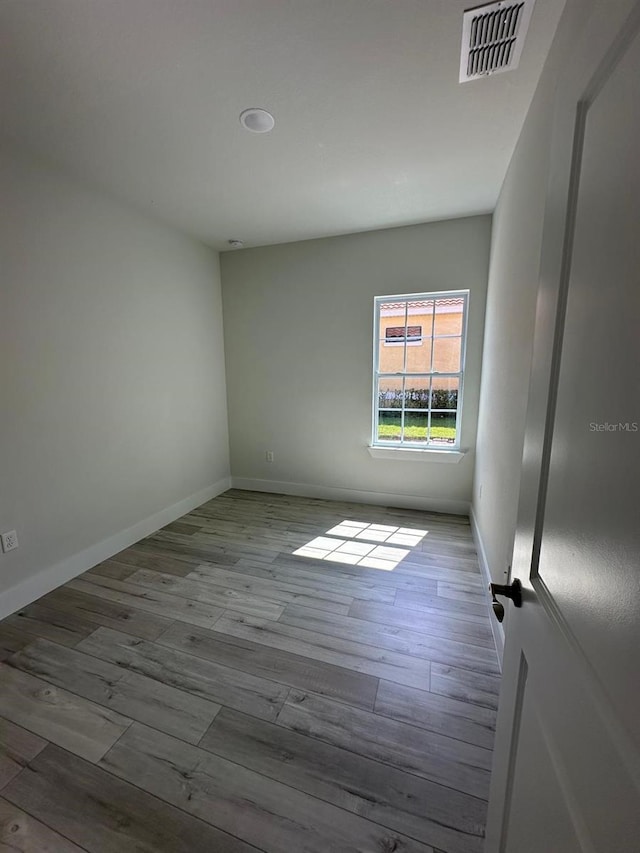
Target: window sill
[416,454]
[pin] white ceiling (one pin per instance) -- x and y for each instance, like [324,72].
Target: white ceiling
[142,98]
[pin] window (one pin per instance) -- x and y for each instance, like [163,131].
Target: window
[419,346]
[397,335]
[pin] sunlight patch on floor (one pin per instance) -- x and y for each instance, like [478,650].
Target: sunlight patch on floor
[353,549]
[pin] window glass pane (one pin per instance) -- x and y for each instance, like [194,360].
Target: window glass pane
[443,428]
[419,315]
[445,392]
[389,426]
[446,355]
[392,339]
[415,426]
[419,355]
[390,393]
[416,393]
[449,313]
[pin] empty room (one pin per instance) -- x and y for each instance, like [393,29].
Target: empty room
[319,422]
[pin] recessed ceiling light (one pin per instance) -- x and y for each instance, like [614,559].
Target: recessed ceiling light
[257,120]
[236,244]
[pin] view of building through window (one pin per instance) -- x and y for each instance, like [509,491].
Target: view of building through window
[419,368]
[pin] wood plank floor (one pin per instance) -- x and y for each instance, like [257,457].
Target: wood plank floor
[209,689]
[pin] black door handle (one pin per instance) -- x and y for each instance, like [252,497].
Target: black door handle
[512,591]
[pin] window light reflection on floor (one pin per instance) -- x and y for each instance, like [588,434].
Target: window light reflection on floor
[358,545]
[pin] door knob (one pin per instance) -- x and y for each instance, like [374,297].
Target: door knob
[512,591]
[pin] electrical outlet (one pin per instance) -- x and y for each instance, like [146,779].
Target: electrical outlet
[269,455]
[9,541]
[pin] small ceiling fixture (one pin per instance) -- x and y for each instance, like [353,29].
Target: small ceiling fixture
[257,120]
[236,244]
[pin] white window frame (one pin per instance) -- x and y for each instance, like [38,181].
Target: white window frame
[418,446]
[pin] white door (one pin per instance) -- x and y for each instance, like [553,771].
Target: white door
[567,761]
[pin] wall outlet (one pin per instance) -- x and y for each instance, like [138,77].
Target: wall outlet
[269,455]
[9,541]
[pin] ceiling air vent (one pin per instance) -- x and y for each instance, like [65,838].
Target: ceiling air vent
[493,37]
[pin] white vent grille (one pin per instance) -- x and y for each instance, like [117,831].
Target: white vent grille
[493,38]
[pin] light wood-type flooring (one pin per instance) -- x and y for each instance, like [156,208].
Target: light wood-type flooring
[209,690]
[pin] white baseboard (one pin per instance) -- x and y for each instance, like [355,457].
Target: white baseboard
[496,627]
[37,585]
[331,493]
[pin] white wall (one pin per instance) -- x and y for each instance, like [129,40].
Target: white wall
[511,313]
[112,386]
[298,342]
